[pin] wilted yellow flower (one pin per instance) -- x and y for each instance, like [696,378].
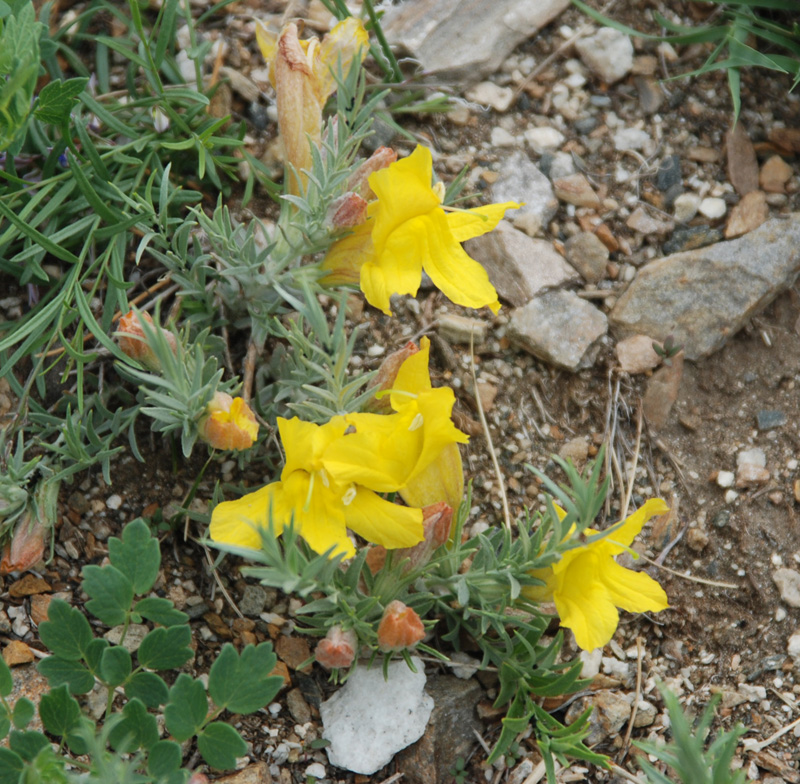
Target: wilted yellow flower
[229,423]
[587,584]
[412,441]
[133,341]
[399,628]
[302,73]
[319,503]
[409,230]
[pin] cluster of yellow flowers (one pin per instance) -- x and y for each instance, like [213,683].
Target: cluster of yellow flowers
[334,472]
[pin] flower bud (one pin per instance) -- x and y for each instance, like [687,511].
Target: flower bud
[133,340]
[380,159]
[337,649]
[399,628]
[442,480]
[347,211]
[385,377]
[229,423]
[27,545]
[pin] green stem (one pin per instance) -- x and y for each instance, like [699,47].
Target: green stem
[396,73]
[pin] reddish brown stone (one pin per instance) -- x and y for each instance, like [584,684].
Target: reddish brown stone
[40,604]
[28,586]
[295,652]
[17,652]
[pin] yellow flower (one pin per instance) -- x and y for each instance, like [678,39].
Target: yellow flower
[302,73]
[407,231]
[418,443]
[229,423]
[587,584]
[320,504]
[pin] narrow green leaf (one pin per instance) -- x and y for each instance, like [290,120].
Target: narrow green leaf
[66,632]
[220,745]
[137,555]
[60,671]
[115,665]
[161,611]
[187,708]
[166,649]
[148,687]
[242,683]
[111,592]
[60,712]
[108,215]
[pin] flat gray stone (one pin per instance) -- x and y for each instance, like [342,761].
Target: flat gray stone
[560,328]
[370,719]
[519,179]
[702,297]
[465,40]
[519,267]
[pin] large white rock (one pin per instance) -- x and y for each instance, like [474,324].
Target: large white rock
[370,719]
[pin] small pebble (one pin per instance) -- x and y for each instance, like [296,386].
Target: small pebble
[316,770]
[769,419]
[114,501]
[712,208]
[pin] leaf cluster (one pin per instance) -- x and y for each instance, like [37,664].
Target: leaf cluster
[137,691]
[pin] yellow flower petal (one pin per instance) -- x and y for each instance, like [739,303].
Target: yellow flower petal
[341,45]
[620,538]
[397,270]
[633,591]
[441,480]
[319,514]
[237,522]
[459,277]
[347,255]
[412,378]
[590,614]
[466,224]
[268,44]
[382,522]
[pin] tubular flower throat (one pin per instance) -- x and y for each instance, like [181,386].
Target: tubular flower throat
[419,442]
[302,73]
[229,423]
[587,584]
[409,230]
[318,502]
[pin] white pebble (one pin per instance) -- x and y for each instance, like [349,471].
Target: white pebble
[731,496]
[316,770]
[712,208]
[376,351]
[274,708]
[114,501]
[726,478]
[780,614]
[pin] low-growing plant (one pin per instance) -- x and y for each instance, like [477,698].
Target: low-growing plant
[125,744]
[688,754]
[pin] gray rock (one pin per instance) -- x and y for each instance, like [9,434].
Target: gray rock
[253,601]
[767,419]
[519,266]
[669,172]
[703,297]
[691,238]
[450,732]
[588,255]
[611,711]
[520,180]
[465,40]
[607,54]
[788,582]
[370,719]
[559,327]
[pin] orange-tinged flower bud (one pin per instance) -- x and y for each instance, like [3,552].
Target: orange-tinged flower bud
[337,649]
[27,546]
[385,377]
[347,211]
[442,480]
[380,159]
[437,520]
[229,424]
[399,628]
[133,340]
